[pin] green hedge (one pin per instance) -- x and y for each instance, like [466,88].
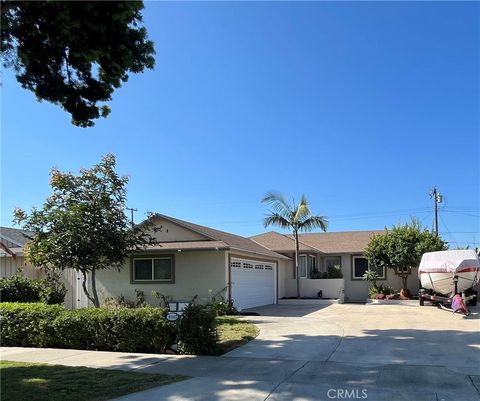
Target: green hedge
[19,288]
[128,330]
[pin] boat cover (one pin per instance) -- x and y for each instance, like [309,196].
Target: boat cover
[454,261]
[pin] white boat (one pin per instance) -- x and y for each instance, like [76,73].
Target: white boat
[438,271]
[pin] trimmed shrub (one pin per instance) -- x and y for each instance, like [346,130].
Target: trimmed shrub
[28,325]
[19,288]
[197,333]
[128,330]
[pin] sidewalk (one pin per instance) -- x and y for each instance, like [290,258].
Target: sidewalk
[257,379]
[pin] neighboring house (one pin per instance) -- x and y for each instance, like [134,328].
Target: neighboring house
[189,259]
[12,242]
[319,251]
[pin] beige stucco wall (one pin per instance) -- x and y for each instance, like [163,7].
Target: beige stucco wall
[281,272]
[195,274]
[10,266]
[331,288]
[357,290]
[168,231]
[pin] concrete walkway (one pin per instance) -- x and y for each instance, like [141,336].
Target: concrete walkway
[306,353]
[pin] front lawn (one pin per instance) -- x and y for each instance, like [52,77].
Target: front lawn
[22,381]
[234,332]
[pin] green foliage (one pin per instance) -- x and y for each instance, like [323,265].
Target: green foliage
[75,53]
[335,272]
[128,330]
[372,276]
[28,324]
[224,308]
[118,302]
[387,290]
[197,332]
[373,292]
[19,288]
[402,247]
[164,299]
[83,224]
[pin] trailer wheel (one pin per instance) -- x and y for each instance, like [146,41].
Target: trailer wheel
[473,301]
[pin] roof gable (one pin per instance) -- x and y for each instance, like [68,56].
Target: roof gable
[167,230]
[233,241]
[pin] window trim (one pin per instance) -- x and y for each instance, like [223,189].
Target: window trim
[354,278]
[306,265]
[332,257]
[170,256]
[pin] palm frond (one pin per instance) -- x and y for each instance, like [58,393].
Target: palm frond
[276,219]
[313,222]
[302,210]
[278,202]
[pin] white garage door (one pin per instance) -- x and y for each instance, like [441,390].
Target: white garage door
[253,283]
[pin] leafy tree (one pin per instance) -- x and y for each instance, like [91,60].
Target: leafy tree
[296,217]
[75,53]
[83,224]
[401,248]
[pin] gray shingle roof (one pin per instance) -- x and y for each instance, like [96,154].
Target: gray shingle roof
[333,242]
[15,235]
[233,241]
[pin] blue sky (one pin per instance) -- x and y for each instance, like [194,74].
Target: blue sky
[363,107]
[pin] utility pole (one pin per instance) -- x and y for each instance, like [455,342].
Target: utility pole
[437,198]
[132,210]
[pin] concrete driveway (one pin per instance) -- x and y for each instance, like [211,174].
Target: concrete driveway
[306,353]
[367,335]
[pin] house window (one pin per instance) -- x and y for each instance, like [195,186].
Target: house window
[360,267]
[302,266]
[312,265]
[332,261]
[158,269]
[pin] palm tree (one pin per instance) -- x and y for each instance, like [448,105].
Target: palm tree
[297,218]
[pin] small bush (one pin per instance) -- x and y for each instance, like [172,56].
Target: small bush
[18,288]
[197,333]
[128,330]
[117,302]
[224,308]
[335,272]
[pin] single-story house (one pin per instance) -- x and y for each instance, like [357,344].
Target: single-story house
[189,259]
[320,251]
